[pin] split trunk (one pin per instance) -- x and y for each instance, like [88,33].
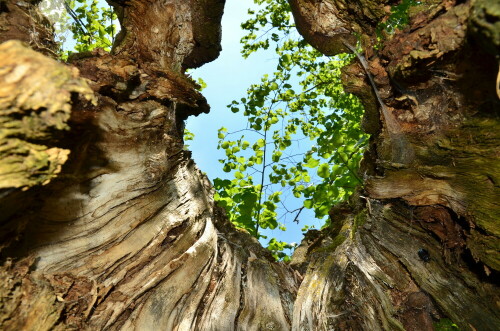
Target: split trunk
[106,223]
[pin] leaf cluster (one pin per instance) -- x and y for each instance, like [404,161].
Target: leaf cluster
[272,19]
[302,139]
[92,26]
[398,18]
[57,15]
[278,248]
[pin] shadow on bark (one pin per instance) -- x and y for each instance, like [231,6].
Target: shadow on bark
[125,234]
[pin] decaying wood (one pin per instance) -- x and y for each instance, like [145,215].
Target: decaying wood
[34,101]
[126,234]
[440,86]
[130,218]
[180,34]
[23,21]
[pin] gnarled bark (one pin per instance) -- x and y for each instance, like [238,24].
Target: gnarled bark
[421,242]
[127,236]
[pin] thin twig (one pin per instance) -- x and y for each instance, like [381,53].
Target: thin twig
[391,123]
[296,219]
[78,22]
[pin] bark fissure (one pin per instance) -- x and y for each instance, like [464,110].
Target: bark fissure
[117,229]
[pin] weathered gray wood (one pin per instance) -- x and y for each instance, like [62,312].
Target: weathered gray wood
[127,236]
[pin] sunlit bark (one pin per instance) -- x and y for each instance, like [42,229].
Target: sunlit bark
[120,231]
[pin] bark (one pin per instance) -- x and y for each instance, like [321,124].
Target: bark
[35,100]
[124,234]
[23,21]
[420,242]
[127,236]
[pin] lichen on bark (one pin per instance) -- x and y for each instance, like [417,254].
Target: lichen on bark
[437,80]
[128,237]
[34,105]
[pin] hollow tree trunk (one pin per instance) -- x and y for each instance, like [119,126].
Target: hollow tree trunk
[421,240]
[109,225]
[127,235]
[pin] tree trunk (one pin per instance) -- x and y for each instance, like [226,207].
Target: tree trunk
[110,225]
[421,241]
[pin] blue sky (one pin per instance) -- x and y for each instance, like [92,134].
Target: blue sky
[228,78]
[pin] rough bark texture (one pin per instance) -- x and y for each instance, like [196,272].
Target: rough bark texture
[432,189]
[22,20]
[127,235]
[34,102]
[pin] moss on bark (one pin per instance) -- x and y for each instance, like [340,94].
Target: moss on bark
[35,105]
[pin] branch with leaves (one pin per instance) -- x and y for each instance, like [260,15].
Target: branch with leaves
[301,109]
[92,26]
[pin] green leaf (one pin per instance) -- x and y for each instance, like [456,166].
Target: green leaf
[311,163]
[273,86]
[308,203]
[276,156]
[324,170]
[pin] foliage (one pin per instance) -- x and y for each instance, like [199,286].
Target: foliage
[57,15]
[277,249]
[303,135]
[188,136]
[445,324]
[91,26]
[399,17]
[202,84]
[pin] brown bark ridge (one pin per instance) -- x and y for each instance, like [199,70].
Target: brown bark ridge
[126,235]
[34,103]
[23,21]
[421,241]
